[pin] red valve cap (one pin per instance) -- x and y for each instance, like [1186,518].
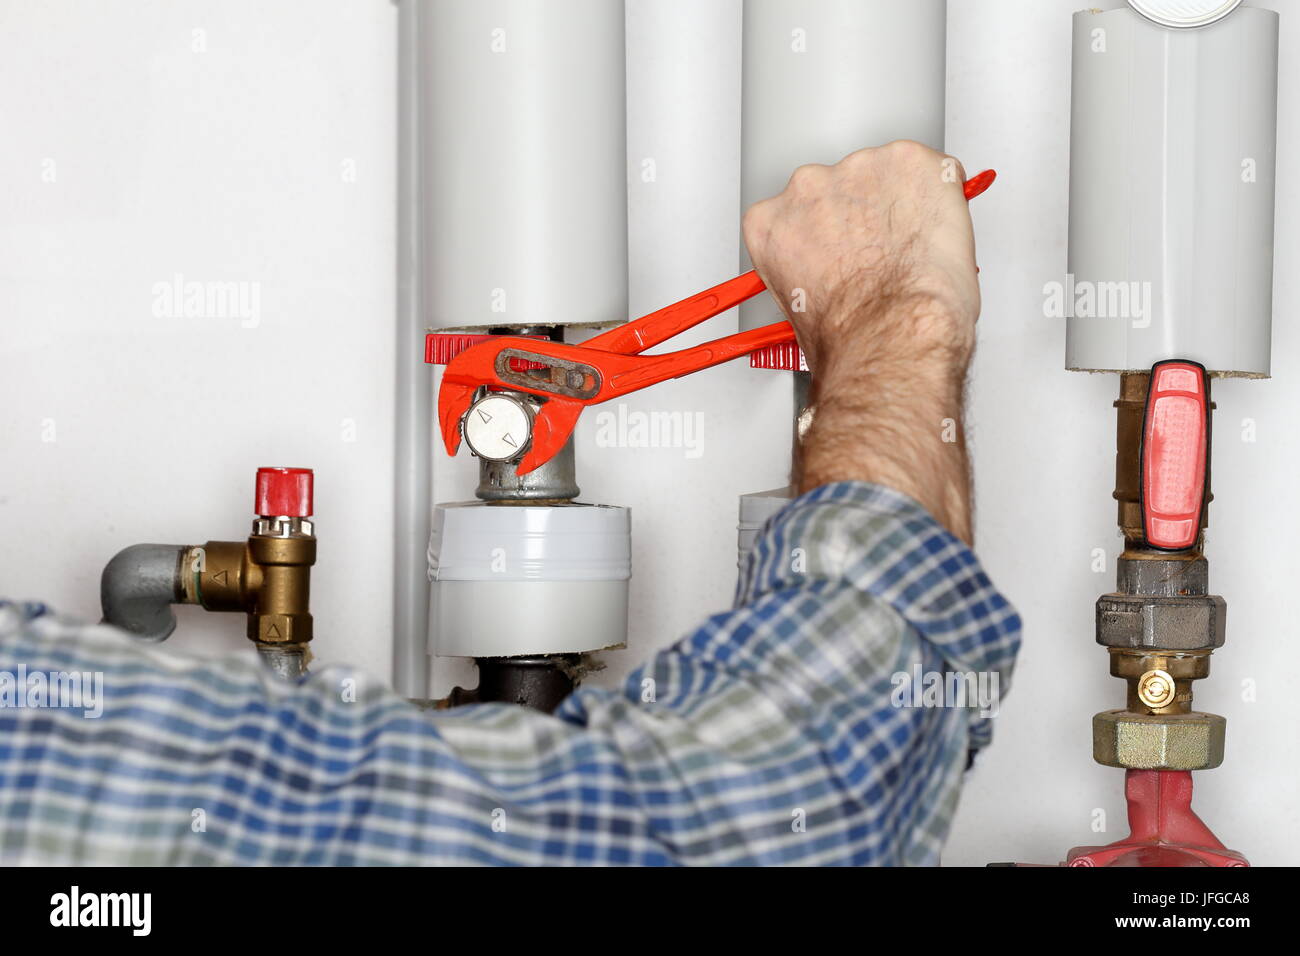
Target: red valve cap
[1175,449]
[283,492]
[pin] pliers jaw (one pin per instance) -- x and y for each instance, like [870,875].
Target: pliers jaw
[552,427]
[510,363]
[453,403]
[566,378]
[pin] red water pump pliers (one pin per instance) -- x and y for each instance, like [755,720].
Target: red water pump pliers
[571,377]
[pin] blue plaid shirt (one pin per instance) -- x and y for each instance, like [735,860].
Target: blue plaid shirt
[787,730]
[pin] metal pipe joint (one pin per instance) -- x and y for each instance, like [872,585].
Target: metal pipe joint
[267,577]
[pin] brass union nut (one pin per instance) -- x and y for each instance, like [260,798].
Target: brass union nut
[1131,741]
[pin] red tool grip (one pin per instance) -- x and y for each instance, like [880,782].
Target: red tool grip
[441,347]
[283,492]
[784,358]
[1175,454]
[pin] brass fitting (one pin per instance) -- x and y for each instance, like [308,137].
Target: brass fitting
[1183,741]
[1159,681]
[1156,689]
[1159,627]
[268,577]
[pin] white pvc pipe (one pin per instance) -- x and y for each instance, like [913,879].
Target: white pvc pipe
[824,79]
[523,129]
[1172,168]
[527,580]
[413,409]
[755,510]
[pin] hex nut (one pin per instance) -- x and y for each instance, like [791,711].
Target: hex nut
[1166,577]
[1131,741]
[1194,622]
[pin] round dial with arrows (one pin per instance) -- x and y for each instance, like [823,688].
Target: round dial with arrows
[1184,13]
[497,427]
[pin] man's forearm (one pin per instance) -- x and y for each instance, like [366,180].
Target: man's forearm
[873,262]
[881,415]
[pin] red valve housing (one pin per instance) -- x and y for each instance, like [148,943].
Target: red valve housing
[1164,829]
[1175,454]
[283,492]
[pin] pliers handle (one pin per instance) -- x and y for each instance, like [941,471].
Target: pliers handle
[571,377]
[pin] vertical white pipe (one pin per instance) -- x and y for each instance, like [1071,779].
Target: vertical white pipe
[414,405]
[522,166]
[824,79]
[524,145]
[1172,168]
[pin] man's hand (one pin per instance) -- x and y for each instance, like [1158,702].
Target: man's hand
[873,262]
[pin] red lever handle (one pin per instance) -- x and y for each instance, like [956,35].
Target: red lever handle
[1175,452]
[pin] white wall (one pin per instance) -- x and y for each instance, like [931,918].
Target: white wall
[210,140]
[229,165]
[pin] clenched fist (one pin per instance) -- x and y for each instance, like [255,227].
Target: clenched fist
[876,251]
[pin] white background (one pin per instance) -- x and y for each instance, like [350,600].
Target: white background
[234,164]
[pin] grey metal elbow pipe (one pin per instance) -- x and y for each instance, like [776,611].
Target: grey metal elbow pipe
[138,588]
